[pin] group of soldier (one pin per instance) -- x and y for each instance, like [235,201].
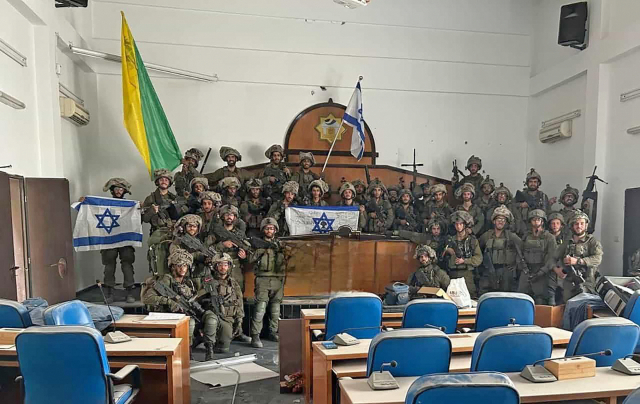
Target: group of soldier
[214,225]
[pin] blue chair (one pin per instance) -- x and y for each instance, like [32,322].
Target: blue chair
[497,309]
[510,349]
[68,364]
[14,315]
[417,351]
[73,312]
[633,398]
[632,312]
[598,334]
[435,312]
[463,388]
[354,310]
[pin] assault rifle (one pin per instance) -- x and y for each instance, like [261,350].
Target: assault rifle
[526,197]
[575,275]
[367,175]
[487,263]
[589,193]
[189,307]
[226,235]
[279,175]
[456,171]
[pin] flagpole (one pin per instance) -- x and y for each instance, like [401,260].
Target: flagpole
[336,137]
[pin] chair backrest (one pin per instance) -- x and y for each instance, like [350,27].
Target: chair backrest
[63,364]
[633,398]
[632,312]
[598,334]
[496,309]
[463,388]
[14,315]
[354,310]
[417,351]
[73,312]
[436,312]
[510,349]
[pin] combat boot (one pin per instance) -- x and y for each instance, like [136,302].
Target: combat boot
[209,348]
[221,349]
[242,338]
[273,337]
[108,294]
[255,341]
[130,298]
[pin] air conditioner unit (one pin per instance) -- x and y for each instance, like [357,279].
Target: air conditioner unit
[74,112]
[553,133]
[352,3]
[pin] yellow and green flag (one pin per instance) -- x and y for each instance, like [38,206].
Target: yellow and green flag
[144,117]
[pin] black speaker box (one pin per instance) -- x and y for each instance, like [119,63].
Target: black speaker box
[573,25]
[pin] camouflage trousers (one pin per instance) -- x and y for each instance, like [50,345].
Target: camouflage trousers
[215,330]
[502,281]
[539,288]
[269,291]
[109,260]
[468,279]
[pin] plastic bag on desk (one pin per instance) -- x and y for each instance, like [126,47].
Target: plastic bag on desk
[459,293]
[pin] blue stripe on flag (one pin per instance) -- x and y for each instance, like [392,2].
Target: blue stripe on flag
[331,208]
[96,201]
[97,240]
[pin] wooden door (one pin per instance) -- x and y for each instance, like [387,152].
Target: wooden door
[48,215]
[7,262]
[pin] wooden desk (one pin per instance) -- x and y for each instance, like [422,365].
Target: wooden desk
[134,325]
[606,385]
[313,319]
[324,359]
[160,361]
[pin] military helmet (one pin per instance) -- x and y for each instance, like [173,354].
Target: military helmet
[438,188]
[160,173]
[210,195]
[291,186]
[433,222]
[226,151]
[570,190]
[267,221]
[466,187]
[424,249]
[349,186]
[274,148]
[376,183]
[254,183]
[405,191]
[307,156]
[503,211]
[180,257]
[395,188]
[199,180]
[227,182]
[473,159]
[320,184]
[533,174]
[195,154]
[556,215]
[489,181]
[357,182]
[117,182]
[228,209]
[222,258]
[462,216]
[537,213]
[502,190]
[189,219]
[578,215]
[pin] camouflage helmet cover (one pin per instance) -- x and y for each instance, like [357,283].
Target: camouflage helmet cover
[533,174]
[462,216]
[357,182]
[210,195]
[254,183]
[537,213]
[199,180]
[433,222]
[226,151]
[578,215]
[274,148]
[438,188]
[502,190]
[222,258]
[502,211]
[267,221]
[405,191]
[489,181]
[572,191]
[424,249]
[189,219]
[117,182]
[474,160]
[324,187]
[349,186]
[228,209]
[466,187]
[195,154]
[394,188]
[227,182]
[180,257]
[291,186]
[556,215]
[376,183]
[160,173]
[307,156]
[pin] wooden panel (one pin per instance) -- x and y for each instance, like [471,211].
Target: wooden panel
[631,225]
[290,332]
[7,278]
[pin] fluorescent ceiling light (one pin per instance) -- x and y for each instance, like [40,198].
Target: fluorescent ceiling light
[13,53]
[634,131]
[10,101]
[629,95]
[561,118]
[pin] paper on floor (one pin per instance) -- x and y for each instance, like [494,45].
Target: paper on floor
[221,377]
[163,316]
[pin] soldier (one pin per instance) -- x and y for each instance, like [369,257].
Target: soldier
[466,193]
[254,208]
[557,229]
[501,196]
[474,165]
[276,173]
[223,297]
[304,176]
[485,201]
[438,208]
[405,214]
[347,195]
[393,192]
[634,263]
[179,282]
[502,247]
[464,250]
[198,185]
[185,237]
[428,274]
[210,202]
[538,249]
[231,156]
[269,267]
[361,192]
[182,179]
[118,187]
[539,201]
[289,191]
[579,257]
[315,194]
[228,227]
[433,237]
[568,199]
[229,187]
[379,212]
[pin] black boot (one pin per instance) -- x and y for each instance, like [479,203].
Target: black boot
[209,347]
[108,294]
[130,298]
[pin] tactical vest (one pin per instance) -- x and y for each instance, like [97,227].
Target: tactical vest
[502,253]
[424,276]
[257,212]
[580,249]
[223,297]
[533,249]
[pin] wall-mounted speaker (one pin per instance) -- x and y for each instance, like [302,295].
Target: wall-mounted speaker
[573,25]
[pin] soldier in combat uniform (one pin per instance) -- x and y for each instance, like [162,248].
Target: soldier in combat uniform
[276,173]
[230,224]
[347,195]
[182,179]
[538,249]
[231,156]
[429,274]
[406,217]
[277,210]
[467,194]
[254,208]
[379,212]
[305,176]
[474,165]
[464,250]
[229,188]
[315,193]
[540,201]
[557,229]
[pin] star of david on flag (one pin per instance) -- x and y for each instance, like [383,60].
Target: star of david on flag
[322,224]
[112,221]
[320,219]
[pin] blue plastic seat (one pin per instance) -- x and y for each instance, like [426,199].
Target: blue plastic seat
[498,309]
[349,311]
[435,312]
[14,315]
[598,334]
[463,388]
[510,349]
[417,351]
[68,365]
[633,398]
[632,312]
[73,312]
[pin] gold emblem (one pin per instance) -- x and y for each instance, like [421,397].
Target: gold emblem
[328,128]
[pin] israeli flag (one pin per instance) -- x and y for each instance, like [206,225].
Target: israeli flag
[320,219]
[353,117]
[106,223]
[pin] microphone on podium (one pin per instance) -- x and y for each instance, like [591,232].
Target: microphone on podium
[441,328]
[383,379]
[540,374]
[344,339]
[113,337]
